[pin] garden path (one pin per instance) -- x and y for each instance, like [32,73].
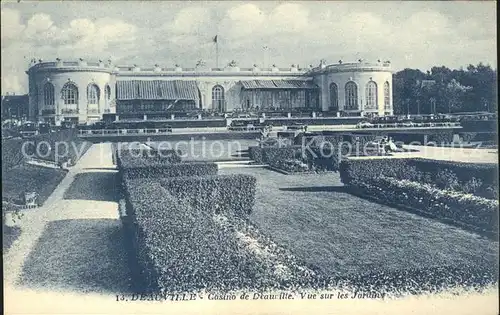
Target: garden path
[74,242]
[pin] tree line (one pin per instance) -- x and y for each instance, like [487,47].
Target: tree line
[443,90]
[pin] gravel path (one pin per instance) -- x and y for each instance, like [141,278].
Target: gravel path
[74,242]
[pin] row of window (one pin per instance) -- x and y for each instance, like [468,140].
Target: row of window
[351,96]
[69,94]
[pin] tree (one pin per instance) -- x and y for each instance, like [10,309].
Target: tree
[450,90]
[454,94]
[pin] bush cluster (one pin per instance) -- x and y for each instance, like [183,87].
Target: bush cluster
[12,149]
[11,153]
[129,158]
[184,224]
[414,182]
[447,204]
[231,195]
[292,166]
[180,245]
[477,178]
[156,169]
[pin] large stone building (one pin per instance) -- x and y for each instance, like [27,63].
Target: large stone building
[84,91]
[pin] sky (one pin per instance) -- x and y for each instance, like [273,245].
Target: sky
[411,34]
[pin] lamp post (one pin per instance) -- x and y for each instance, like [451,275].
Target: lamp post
[433,105]
[408,107]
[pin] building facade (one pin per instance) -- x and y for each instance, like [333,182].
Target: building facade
[83,91]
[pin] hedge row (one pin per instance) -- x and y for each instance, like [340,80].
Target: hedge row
[231,195]
[130,158]
[465,208]
[60,140]
[155,169]
[44,146]
[182,249]
[318,158]
[477,178]
[11,153]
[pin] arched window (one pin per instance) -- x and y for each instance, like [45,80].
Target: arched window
[218,98]
[371,95]
[334,97]
[48,94]
[69,94]
[387,95]
[351,96]
[93,94]
[107,93]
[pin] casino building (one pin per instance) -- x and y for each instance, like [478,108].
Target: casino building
[84,91]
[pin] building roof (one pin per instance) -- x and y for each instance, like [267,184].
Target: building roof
[157,90]
[278,84]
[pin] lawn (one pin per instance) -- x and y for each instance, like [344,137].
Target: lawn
[31,178]
[338,233]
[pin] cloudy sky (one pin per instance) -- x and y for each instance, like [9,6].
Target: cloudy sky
[416,34]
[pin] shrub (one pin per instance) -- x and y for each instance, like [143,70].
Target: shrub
[360,170]
[441,137]
[155,169]
[465,208]
[473,185]
[322,158]
[292,166]
[468,136]
[12,149]
[486,173]
[228,194]
[255,154]
[181,248]
[446,179]
[272,155]
[134,157]
[11,153]
[455,175]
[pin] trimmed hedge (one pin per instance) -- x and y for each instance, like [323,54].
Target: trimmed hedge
[11,153]
[271,155]
[229,194]
[154,169]
[466,208]
[322,158]
[477,178]
[12,149]
[182,249]
[486,173]
[415,183]
[255,153]
[129,158]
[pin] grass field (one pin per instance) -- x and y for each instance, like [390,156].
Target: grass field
[26,177]
[338,233]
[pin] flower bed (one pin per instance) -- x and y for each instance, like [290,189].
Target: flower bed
[478,179]
[465,208]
